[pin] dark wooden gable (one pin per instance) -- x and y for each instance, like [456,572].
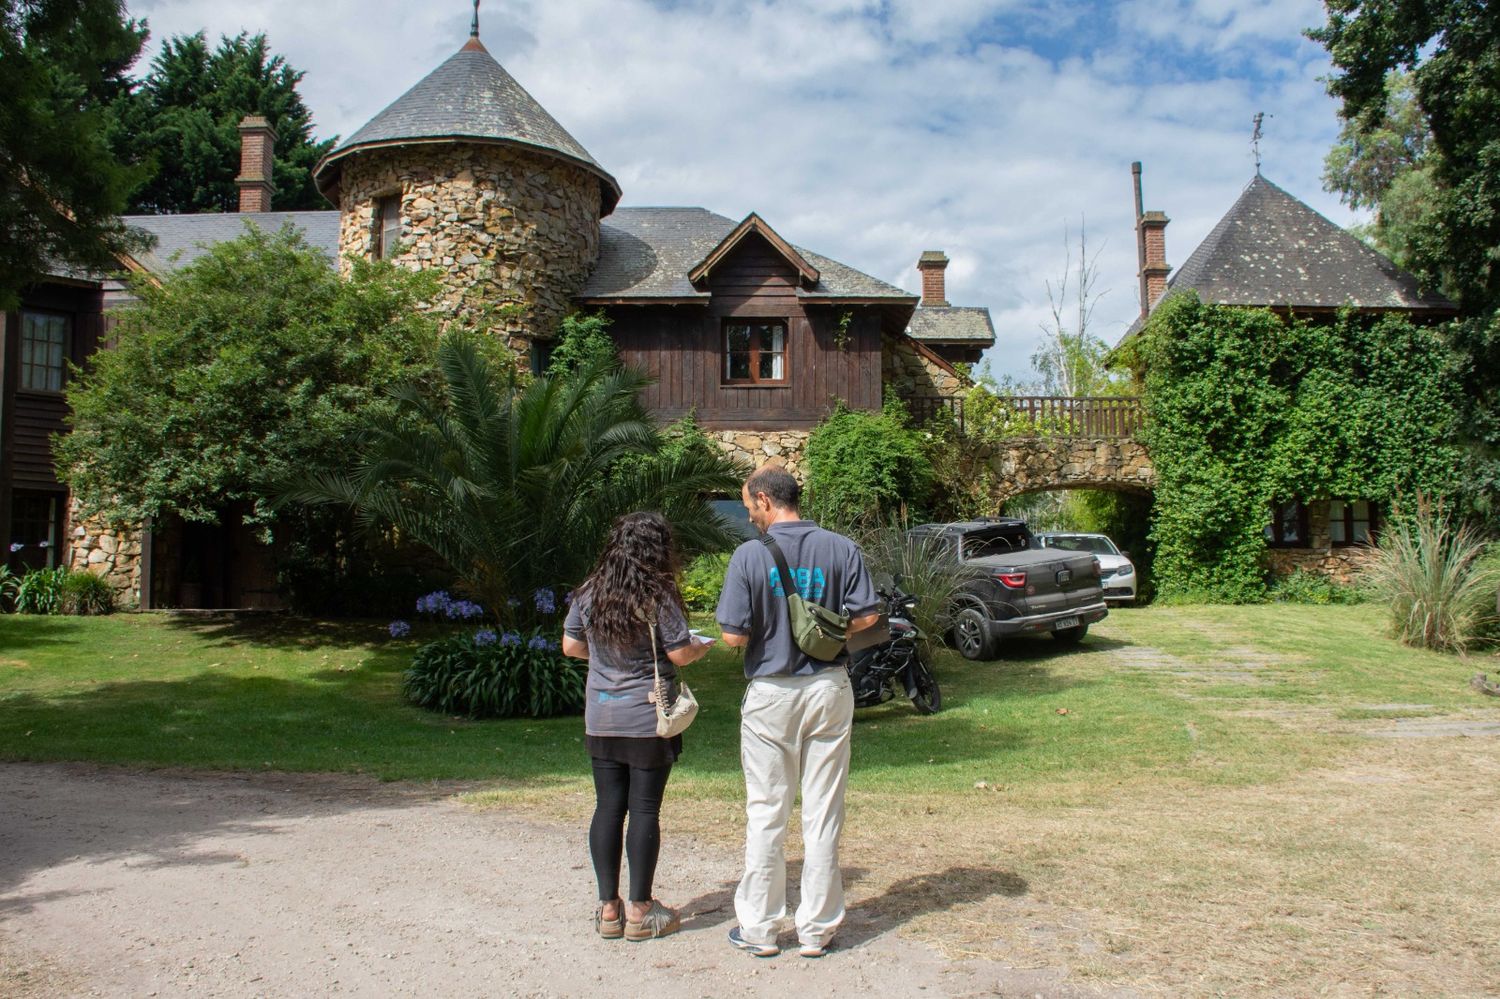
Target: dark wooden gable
[682,347]
[30,418]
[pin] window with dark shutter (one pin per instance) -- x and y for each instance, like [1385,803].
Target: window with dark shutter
[1351,522]
[1288,526]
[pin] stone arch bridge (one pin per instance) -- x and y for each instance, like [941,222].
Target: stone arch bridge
[1062,443]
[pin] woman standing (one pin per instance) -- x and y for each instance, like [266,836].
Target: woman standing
[610,624]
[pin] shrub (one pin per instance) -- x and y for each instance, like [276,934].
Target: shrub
[9,584]
[1303,587]
[41,591]
[704,581]
[484,675]
[87,593]
[866,465]
[1432,573]
[918,566]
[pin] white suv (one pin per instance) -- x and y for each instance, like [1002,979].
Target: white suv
[1116,571]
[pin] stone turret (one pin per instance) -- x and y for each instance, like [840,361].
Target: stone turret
[468,175]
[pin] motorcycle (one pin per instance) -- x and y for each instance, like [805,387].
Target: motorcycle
[895,665]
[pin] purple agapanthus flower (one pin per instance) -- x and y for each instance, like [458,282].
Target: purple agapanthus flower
[463,610]
[437,602]
[16,546]
[485,636]
[546,601]
[510,638]
[538,642]
[568,598]
[400,629]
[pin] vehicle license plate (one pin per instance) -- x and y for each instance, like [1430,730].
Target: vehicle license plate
[1067,622]
[1063,575]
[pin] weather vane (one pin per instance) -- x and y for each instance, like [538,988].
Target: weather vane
[474,28]
[1255,136]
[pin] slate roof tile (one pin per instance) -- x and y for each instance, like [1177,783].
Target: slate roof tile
[955,324]
[469,96]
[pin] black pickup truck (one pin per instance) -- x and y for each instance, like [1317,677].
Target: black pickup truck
[1017,587]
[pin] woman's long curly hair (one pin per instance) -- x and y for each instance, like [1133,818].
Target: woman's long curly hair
[635,575]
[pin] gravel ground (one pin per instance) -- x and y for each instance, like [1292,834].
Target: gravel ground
[123,883]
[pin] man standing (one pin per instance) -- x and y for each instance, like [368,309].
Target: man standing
[796,715]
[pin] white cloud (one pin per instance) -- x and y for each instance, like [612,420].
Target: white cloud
[870,130]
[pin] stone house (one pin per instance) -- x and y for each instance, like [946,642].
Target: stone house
[1272,250]
[468,175]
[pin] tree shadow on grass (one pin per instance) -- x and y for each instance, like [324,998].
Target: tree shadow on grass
[33,631]
[283,631]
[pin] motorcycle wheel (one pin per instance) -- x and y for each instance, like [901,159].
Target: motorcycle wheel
[929,699]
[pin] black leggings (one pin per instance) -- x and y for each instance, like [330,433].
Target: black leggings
[617,789]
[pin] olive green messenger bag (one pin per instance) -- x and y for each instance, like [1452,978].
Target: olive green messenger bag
[818,631]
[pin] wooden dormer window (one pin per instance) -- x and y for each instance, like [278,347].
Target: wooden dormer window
[755,352]
[387,226]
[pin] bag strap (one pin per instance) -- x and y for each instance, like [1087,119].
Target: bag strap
[655,665]
[783,573]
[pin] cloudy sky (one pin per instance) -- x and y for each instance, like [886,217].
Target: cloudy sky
[871,130]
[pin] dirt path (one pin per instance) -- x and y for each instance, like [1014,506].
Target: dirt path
[115,883]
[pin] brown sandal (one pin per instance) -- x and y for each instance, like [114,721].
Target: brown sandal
[657,922]
[610,929]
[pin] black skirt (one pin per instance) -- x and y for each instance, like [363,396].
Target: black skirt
[648,753]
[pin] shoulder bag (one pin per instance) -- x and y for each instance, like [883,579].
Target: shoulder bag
[818,631]
[671,719]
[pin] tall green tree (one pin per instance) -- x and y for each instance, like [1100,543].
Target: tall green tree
[186,114]
[248,366]
[1391,168]
[1451,48]
[1442,206]
[515,483]
[62,63]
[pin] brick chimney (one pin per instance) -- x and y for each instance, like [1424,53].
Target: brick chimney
[933,264]
[257,157]
[1150,248]
[1154,268]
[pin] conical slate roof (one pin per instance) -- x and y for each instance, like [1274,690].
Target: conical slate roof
[1271,249]
[469,98]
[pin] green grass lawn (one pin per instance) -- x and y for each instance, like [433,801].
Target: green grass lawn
[1197,693]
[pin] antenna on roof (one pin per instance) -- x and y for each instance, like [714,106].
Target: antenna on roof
[474,28]
[1255,136]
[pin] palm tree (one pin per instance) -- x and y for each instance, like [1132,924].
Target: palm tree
[515,487]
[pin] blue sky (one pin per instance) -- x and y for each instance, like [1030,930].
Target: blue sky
[871,130]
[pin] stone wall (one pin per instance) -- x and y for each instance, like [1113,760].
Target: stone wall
[109,550]
[502,227]
[778,448]
[912,373]
[1029,464]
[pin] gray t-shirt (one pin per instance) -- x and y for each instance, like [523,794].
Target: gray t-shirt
[829,570]
[620,679]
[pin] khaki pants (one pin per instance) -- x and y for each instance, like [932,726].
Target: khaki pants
[794,730]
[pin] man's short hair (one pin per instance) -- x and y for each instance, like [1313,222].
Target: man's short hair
[776,483]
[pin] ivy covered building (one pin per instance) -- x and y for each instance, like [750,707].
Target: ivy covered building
[1350,372]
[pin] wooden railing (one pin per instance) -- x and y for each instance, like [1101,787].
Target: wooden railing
[1083,416]
[1096,416]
